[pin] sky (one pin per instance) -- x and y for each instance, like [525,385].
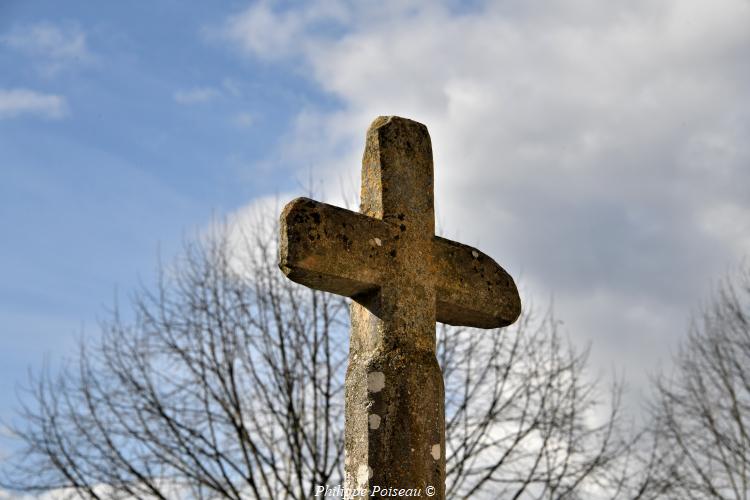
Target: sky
[597,150]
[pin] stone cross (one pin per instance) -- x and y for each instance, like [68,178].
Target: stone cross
[401,278]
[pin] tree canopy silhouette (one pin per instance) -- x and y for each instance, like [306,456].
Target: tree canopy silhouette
[701,412]
[228,383]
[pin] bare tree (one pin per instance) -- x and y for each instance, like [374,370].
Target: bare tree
[520,416]
[228,383]
[701,412]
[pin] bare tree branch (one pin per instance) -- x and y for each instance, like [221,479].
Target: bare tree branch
[228,383]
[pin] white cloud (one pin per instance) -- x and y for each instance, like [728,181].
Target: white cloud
[232,87]
[53,46]
[17,102]
[597,150]
[244,119]
[266,33]
[262,32]
[196,95]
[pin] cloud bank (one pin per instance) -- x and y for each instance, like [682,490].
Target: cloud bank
[597,150]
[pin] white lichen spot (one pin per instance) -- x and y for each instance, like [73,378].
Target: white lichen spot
[375,381]
[435,451]
[378,242]
[374,421]
[475,254]
[363,474]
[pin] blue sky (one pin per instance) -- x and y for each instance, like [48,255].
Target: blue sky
[597,150]
[122,129]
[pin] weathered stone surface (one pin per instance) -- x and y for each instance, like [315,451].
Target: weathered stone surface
[402,278]
[473,290]
[347,253]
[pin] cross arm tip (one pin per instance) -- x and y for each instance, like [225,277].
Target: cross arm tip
[473,289]
[289,216]
[327,248]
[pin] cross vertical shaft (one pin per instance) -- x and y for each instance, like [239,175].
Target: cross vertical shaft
[402,278]
[394,388]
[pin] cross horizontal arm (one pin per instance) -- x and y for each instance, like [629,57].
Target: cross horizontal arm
[333,249]
[347,253]
[472,289]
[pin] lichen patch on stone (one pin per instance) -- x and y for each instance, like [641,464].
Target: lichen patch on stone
[375,381]
[363,474]
[435,452]
[374,421]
